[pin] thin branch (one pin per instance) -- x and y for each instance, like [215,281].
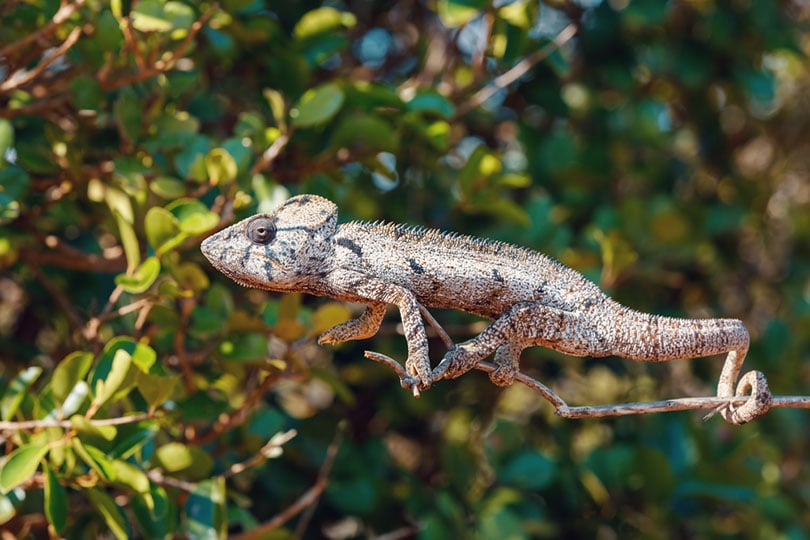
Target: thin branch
[230,420]
[161,66]
[443,335]
[271,153]
[15,82]
[67,424]
[269,450]
[307,500]
[61,15]
[517,71]
[600,411]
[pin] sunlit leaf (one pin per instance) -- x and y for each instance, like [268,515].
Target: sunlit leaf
[68,372]
[21,465]
[16,390]
[142,278]
[317,106]
[322,20]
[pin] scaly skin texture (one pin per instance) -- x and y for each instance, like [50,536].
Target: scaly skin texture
[532,299]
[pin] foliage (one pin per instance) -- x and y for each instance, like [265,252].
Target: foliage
[661,150]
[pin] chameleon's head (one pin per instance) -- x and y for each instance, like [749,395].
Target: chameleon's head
[279,251]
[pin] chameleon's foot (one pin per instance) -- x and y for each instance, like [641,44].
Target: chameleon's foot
[459,360]
[754,385]
[507,359]
[405,380]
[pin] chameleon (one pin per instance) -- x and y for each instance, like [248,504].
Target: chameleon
[531,299]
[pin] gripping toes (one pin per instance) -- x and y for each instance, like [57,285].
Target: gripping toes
[459,360]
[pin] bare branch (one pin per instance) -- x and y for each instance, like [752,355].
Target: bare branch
[517,71]
[305,501]
[15,82]
[62,14]
[67,424]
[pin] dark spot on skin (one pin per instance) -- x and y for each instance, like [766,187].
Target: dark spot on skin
[303,200]
[350,245]
[415,266]
[497,275]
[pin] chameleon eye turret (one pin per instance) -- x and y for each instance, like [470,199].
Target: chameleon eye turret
[261,230]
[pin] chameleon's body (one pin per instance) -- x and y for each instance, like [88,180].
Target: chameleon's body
[532,299]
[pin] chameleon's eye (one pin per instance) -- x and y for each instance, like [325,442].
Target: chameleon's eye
[261,230]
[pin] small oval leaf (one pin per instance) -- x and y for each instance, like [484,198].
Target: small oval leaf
[21,465]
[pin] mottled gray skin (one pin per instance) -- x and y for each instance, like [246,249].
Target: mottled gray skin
[532,299]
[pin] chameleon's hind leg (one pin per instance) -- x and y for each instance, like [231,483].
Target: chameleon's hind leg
[523,325]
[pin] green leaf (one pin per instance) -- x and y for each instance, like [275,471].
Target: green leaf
[162,230]
[158,16]
[154,512]
[113,515]
[132,248]
[317,106]
[220,166]
[86,93]
[432,102]
[454,13]
[275,100]
[205,510]
[14,184]
[6,138]
[132,439]
[193,216]
[83,425]
[367,132]
[167,188]
[192,461]
[155,389]
[70,370]
[109,374]
[56,502]
[142,278]
[128,115]
[528,470]
[93,458]
[322,21]
[14,394]
[21,465]
[130,476]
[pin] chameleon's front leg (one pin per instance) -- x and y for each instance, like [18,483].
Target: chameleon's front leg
[378,293]
[363,327]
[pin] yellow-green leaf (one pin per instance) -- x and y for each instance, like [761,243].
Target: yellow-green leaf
[70,370]
[14,394]
[317,105]
[21,465]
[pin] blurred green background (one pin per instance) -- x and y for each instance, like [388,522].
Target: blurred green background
[661,148]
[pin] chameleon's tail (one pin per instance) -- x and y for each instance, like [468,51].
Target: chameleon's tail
[652,338]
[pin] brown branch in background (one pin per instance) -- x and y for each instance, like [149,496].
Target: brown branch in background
[62,14]
[517,71]
[116,81]
[227,421]
[272,152]
[58,295]
[306,501]
[14,82]
[67,424]
[65,256]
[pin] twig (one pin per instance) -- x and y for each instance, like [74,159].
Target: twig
[161,66]
[403,532]
[61,15]
[67,424]
[443,335]
[228,421]
[15,82]
[271,153]
[307,500]
[600,411]
[517,71]
[267,451]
